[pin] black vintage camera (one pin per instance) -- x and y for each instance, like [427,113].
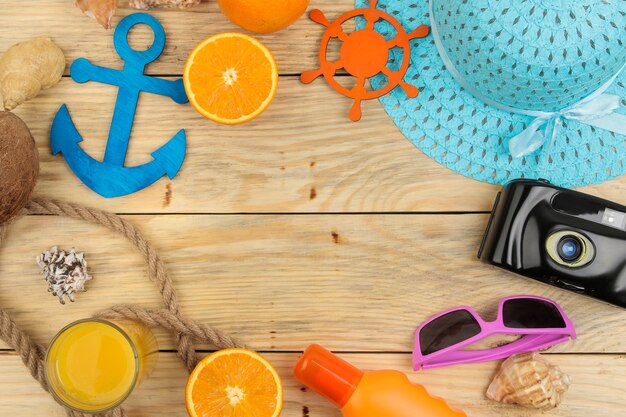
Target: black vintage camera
[562,237]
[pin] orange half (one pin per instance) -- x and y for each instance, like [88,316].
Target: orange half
[230,78]
[234,383]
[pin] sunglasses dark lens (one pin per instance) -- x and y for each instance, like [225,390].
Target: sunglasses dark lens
[530,313]
[448,330]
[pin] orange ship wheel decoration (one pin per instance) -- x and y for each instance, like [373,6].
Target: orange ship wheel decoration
[363,54]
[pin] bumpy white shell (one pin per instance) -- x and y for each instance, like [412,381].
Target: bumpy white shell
[529,380]
[65,272]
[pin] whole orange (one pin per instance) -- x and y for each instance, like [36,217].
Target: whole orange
[263,16]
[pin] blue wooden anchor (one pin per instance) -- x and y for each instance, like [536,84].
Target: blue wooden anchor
[110,178]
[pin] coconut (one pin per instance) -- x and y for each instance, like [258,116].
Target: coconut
[19,165]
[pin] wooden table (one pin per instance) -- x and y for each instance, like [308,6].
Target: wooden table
[298,227]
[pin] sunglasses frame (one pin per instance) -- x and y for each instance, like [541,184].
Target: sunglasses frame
[531,340]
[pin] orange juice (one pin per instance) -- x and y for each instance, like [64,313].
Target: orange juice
[93,365]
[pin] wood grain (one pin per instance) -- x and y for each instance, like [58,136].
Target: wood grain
[294,48]
[301,155]
[279,282]
[596,390]
[353,282]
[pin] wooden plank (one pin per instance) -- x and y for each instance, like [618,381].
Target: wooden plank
[297,165]
[596,390]
[294,48]
[285,161]
[279,282]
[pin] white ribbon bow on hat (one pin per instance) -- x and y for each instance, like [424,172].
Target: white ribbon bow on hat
[546,126]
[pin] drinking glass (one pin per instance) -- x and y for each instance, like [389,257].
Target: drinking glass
[93,365]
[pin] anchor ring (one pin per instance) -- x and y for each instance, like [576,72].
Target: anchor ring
[133,56]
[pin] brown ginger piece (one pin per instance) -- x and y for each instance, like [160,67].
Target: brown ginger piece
[151,4]
[28,67]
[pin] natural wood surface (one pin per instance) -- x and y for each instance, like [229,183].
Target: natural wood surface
[302,155]
[351,282]
[312,158]
[297,165]
[597,389]
[295,48]
[298,227]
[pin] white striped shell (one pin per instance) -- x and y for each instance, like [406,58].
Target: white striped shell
[529,380]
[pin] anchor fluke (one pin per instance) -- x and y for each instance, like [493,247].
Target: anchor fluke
[60,138]
[110,180]
[170,156]
[111,177]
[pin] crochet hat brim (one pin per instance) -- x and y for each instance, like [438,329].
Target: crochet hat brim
[470,137]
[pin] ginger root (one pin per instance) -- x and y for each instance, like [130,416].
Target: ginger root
[101,10]
[28,67]
[151,4]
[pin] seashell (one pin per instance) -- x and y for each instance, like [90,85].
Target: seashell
[151,4]
[28,67]
[101,10]
[65,272]
[529,380]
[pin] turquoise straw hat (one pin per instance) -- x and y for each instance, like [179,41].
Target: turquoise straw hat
[514,88]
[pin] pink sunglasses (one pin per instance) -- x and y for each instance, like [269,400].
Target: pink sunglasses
[439,341]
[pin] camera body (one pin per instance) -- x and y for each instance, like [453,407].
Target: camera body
[561,237]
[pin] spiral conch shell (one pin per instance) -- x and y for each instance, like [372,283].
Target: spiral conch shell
[28,67]
[529,380]
[101,10]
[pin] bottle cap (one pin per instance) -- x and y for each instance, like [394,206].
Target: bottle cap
[327,374]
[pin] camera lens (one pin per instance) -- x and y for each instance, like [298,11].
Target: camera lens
[570,248]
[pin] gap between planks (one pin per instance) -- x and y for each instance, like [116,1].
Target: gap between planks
[279,282]
[596,389]
[4,351]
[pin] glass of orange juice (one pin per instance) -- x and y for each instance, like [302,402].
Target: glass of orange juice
[93,365]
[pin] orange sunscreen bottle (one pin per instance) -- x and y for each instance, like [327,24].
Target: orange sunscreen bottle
[367,394]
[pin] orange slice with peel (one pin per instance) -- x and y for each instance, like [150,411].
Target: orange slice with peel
[230,78]
[234,383]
